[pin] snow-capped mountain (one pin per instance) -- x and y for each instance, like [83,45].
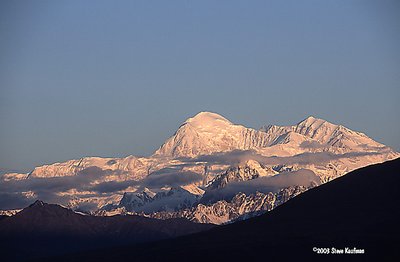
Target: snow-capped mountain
[240,207]
[127,167]
[207,153]
[147,201]
[319,135]
[136,201]
[208,133]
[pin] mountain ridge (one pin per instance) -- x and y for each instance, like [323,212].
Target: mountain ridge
[213,137]
[204,147]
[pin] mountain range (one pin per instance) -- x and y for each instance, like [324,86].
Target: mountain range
[209,171]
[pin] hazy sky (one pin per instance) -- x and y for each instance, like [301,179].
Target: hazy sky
[113,78]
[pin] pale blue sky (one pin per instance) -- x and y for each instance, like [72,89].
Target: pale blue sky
[113,78]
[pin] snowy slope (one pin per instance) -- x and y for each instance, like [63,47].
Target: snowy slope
[320,135]
[130,166]
[208,133]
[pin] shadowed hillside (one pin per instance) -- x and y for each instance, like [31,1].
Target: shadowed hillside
[46,229]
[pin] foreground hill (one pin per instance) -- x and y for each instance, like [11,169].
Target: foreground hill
[47,229]
[359,210]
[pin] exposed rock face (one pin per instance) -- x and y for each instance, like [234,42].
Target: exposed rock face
[172,200]
[240,207]
[250,170]
[135,201]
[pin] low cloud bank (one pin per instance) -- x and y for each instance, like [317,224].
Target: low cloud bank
[241,156]
[47,189]
[170,177]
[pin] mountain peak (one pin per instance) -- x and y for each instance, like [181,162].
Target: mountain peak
[208,133]
[311,117]
[206,119]
[37,203]
[205,133]
[311,120]
[311,123]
